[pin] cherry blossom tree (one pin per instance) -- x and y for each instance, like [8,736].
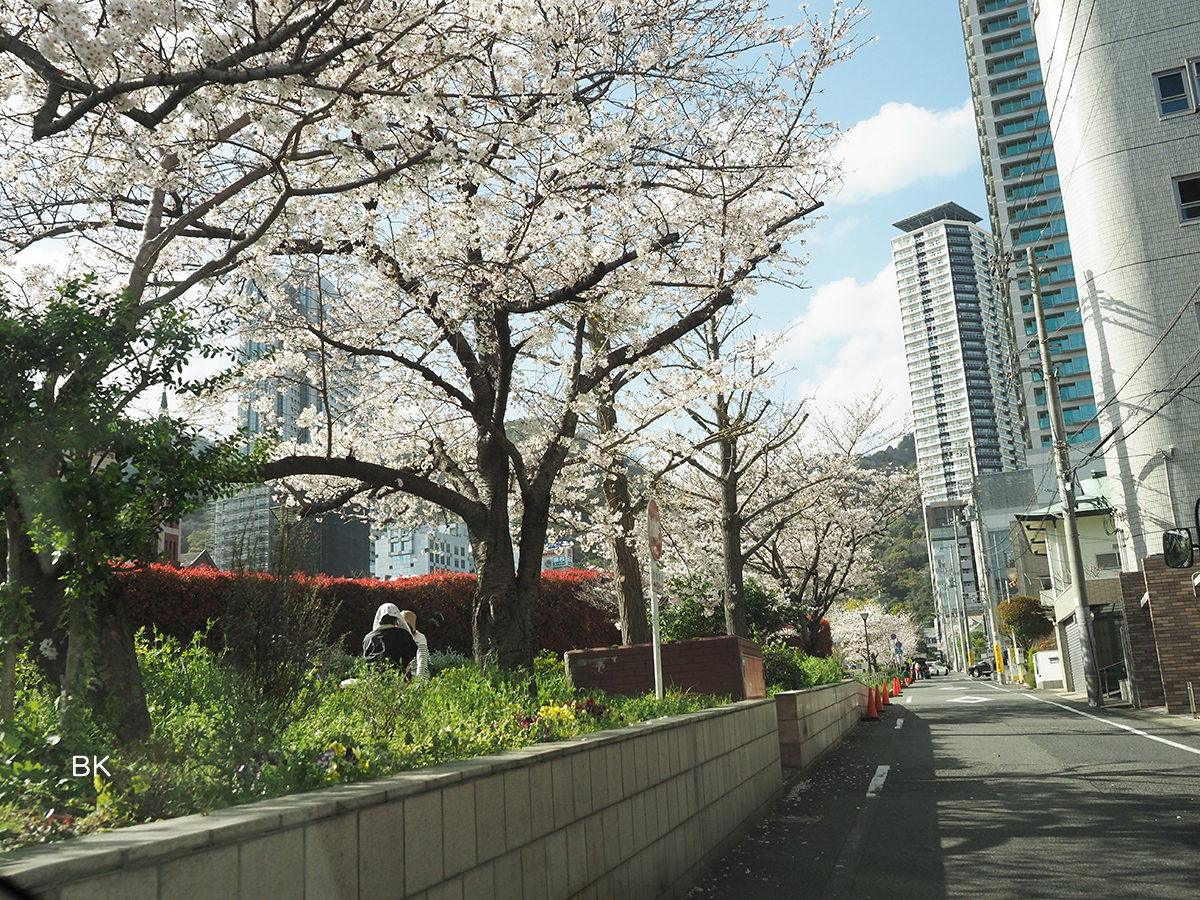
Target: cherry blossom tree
[846,626]
[166,140]
[838,513]
[739,431]
[607,185]
[517,204]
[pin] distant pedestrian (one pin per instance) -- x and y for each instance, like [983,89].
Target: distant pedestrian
[421,664]
[390,641]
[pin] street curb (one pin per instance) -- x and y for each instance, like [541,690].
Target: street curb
[1157,715]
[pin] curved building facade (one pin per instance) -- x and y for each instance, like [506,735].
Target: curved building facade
[1122,87]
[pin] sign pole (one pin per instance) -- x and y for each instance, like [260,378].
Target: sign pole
[654,533]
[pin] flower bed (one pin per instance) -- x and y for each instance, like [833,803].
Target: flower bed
[210,749]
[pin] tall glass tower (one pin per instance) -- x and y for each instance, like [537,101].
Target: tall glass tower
[1026,209]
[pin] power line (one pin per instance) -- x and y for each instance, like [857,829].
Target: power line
[1116,428]
[1162,337]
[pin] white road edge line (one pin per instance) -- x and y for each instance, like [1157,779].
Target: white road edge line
[909,700]
[1120,725]
[876,784]
[899,724]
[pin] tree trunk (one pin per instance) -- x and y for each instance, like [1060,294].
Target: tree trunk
[120,690]
[14,585]
[812,634]
[731,540]
[631,595]
[44,594]
[72,667]
[500,630]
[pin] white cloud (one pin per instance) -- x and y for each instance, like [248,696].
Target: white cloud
[905,144]
[848,341]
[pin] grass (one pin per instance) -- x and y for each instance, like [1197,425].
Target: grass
[217,744]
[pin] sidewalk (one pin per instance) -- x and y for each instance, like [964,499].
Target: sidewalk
[1155,714]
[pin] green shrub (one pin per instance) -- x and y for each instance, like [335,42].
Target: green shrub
[181,602]
[203,756]
[790,669]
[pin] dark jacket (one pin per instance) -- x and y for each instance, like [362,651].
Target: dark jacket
[390,643]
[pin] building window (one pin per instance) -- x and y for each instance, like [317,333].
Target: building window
[1171,88]
[1187,192]
[1108,561]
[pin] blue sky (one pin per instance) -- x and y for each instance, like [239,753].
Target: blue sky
[910,143]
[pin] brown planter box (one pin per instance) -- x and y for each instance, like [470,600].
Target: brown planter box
[722,666]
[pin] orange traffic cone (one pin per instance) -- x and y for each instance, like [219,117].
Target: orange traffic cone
[886,700]
[897,692]
[907,680]
[872,713]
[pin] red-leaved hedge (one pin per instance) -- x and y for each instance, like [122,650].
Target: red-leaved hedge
[181,602]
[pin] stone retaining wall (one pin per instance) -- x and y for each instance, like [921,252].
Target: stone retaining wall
[813,720]
[636,812]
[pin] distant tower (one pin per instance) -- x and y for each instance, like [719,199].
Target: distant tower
[246,527]
[966,414]
[958,345]
[1026,208]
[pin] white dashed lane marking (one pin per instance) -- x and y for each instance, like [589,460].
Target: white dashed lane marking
[876,784]
[899,724]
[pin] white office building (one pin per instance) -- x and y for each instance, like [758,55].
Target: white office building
[406,551]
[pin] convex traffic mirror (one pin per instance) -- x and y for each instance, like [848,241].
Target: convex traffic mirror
[1178,550]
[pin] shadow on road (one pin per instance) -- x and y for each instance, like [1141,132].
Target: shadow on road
[989,799]
[826,839]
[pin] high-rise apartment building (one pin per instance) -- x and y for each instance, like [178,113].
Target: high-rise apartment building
[958,346]
[1025,204]
[967,419]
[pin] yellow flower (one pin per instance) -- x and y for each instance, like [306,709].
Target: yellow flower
[560,713]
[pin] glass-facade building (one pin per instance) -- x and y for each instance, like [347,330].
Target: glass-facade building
[1026,209]
[246,526]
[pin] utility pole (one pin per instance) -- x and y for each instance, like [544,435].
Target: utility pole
[1066,490]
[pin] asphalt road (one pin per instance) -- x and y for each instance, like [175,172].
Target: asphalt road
[967,789]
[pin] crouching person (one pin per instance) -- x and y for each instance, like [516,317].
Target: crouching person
[390,642]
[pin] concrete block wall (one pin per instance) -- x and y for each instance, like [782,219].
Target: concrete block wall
[813,720]
[636,812]
[722,666]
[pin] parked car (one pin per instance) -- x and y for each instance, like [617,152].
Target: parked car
[980,669]
[938,668]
